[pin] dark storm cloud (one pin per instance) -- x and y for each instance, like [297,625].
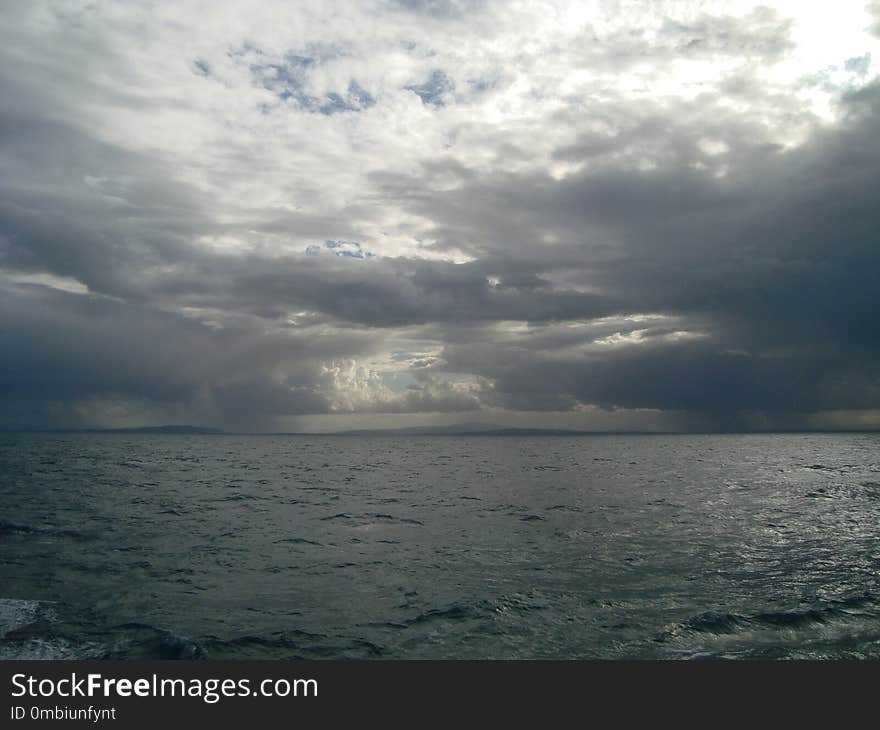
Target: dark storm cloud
[699,377]
[776,265]
[390,292]
[683,261]
[60,348]
[79,208]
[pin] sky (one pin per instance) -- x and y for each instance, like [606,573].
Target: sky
[316,216]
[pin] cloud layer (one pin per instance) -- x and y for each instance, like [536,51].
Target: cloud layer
[607,215]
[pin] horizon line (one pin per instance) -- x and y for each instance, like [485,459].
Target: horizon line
[423,431]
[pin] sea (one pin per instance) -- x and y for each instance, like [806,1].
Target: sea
[160,546]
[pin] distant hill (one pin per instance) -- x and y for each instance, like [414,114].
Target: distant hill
[465,429]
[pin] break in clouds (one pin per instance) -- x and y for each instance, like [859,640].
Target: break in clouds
[276,216]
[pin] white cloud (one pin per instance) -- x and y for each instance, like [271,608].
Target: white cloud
[200,85]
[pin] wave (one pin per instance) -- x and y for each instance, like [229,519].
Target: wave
[17,615]
[844,628]
[13,528]
[298,541]
[489,609]
[455,612]
[369,519]
[27,631]
[290,645]
[43,630]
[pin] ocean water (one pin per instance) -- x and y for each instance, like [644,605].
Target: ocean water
[282,547]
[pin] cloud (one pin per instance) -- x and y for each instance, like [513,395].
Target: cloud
[249,215]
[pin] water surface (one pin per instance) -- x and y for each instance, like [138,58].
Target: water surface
[216,546]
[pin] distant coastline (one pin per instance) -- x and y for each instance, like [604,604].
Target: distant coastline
[452,430]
